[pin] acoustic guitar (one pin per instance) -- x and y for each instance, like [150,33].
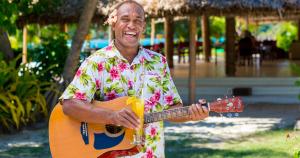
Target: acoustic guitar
[70,138]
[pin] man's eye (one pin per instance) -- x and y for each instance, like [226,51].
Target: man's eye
[125,20]
[138,21]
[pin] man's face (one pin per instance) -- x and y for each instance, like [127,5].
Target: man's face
[130,25]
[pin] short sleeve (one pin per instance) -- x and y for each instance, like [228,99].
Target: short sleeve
[170,93]
[86,82]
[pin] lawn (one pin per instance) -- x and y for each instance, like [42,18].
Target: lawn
[272,144]
[275,144]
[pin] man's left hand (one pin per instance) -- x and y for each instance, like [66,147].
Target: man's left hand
[198,112]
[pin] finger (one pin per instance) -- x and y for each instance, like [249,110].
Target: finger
[132,115]
[198,111]
[205,110]
[129,118]
[192,112]
[124,122]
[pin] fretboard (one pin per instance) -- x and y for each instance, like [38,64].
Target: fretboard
[166,114]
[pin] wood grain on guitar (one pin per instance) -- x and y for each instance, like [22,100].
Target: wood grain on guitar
[71,138]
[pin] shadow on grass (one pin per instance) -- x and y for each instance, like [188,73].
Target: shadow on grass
[27,152]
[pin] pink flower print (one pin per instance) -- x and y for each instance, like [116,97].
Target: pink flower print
[108,48]
[153,132]
[142,60]
[149,153]
[130,84]
[157,95]
[165,72]
[114,74]
[111,95]
[149,104]
[98,83]
[164,60]
[122,66]
[100,67]
[147,108]
[79,95]
[169,99]
[78,73]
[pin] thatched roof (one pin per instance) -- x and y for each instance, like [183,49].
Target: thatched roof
[223,7]
[70,10]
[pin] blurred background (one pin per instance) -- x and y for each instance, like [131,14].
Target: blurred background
[246,48]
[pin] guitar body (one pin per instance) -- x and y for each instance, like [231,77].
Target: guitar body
[70,138]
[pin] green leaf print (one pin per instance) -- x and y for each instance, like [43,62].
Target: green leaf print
[150,89]
[94,66]
[71,89]
[155,80]
[107,67]
[131,92]
[119,90]
[108,80]
[123,79]
[159,107]
[149,66]
[84,79]
[106,89]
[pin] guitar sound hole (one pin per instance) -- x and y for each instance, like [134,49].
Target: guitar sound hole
[113,129]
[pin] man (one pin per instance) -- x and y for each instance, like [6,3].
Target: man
[125,69]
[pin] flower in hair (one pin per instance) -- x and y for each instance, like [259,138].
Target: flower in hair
[112,18]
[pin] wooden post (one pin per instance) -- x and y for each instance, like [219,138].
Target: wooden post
[24,50]
[66,28]
[169,36]
[205,37]
[192,57]
[111,34]
[230,54]
[247,22]
[298,29]
[152,31]
[63,27]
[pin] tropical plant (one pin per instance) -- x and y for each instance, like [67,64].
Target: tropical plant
[50,56]
[21,96]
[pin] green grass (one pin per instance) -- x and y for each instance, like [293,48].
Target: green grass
[271,144]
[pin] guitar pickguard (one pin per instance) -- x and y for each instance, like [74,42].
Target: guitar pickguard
[109,141]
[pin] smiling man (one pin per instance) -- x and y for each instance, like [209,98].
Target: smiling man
[124,68]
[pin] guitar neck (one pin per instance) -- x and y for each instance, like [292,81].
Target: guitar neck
[167,114]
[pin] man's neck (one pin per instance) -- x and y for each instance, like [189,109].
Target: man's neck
[128,53]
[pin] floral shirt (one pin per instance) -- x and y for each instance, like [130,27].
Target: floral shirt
[106,75]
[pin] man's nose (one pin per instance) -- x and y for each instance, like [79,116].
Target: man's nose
[131,25]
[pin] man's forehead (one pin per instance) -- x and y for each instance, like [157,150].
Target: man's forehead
[130,8]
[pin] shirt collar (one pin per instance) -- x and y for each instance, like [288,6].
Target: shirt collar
[143,54]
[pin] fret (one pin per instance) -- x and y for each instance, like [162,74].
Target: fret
[167,114]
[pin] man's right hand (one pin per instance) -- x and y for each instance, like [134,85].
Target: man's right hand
[126,118]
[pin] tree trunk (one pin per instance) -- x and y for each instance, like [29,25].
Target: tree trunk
[169,40]
[230,54]
[77,41]
[192,57]
[5,46]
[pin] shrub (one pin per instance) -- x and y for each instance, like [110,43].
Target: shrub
[21,96]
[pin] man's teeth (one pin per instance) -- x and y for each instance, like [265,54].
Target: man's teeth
[130,33]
